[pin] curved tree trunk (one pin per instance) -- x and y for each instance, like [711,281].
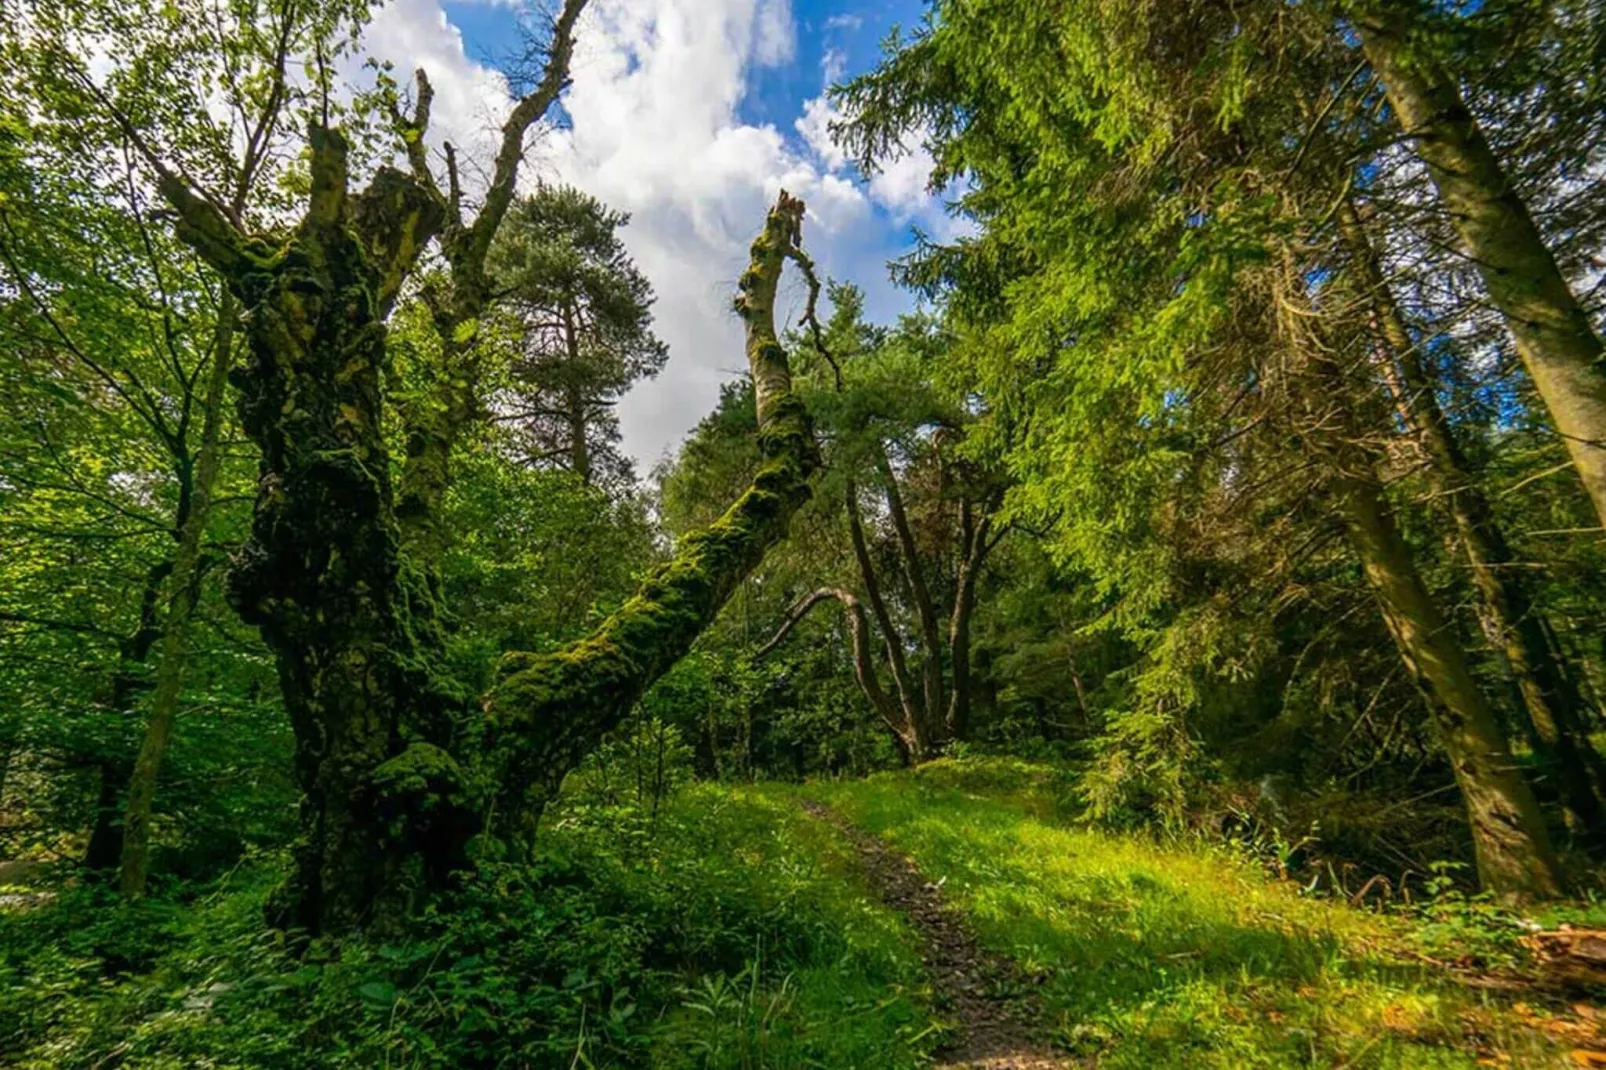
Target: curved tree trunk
[904,732]
[1553,335]
[548,710]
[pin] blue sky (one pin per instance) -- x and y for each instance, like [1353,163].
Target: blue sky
[689,114]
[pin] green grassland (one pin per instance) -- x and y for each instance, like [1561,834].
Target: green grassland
[731,929]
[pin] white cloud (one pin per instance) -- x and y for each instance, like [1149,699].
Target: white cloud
[900,183]
[814,126]
[656,131]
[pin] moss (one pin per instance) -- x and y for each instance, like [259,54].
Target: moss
[547,711]
[421,770]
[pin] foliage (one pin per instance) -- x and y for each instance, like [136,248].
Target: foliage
[735,930]
[1174,952]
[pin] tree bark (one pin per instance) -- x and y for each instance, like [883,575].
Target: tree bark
[973,555]
[1546,690]
[1513,850]
[388,807]
[353,625]
[903,730]
[548,710]
[184,583]
[908,701]
[931,668]
[105,846]
[1553,334]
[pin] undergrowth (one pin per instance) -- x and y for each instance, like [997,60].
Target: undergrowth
[722,931]
[1176,952]
[719,926]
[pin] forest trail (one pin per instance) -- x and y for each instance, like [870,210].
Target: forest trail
[980,986]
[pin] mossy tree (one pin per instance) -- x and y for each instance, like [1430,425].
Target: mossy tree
[406,775]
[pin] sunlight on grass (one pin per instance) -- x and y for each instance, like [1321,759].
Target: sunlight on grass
[1171,954]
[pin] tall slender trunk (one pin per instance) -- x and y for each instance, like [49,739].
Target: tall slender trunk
[1513,849]
[973,554]
[1512,846]
[931,668]
[184,585]
[1514,628]
[105,845]
[574,401]
[1553,334]
[912,739]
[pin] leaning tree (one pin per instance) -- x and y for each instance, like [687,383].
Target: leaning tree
[407,776]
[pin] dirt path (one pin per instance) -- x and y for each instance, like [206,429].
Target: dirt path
[983,990]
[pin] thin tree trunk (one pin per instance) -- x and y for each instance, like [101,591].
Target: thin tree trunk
[908,699]
[1553,335]
[184,585]
[974,555]
[105,846]
[579,449]
[1548,695]
[575,402]
[931,667]
[904,731]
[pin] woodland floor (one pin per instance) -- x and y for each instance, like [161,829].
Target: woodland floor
[998,1014]
[958,916]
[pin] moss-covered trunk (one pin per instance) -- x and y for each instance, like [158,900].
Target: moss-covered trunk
[355,629]
[1553,334]
[548,710]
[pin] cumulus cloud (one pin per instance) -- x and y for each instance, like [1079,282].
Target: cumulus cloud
[656,130]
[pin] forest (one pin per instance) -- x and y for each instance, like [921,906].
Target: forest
[1156,618]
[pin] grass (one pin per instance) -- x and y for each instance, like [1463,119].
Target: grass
[1175,954]
[728,932]
[733,931]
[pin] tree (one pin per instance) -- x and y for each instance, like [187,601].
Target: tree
[1148,247]
[111,315]
[1553,334]
[400,769]
[581,314]
[920,525]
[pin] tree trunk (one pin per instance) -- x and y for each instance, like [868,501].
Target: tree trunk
[905,732]
[1513,849]
[1547,692]
[931,668]
[973,554]
[891,643]
[579,449]
[105,846]
[388,745]
[548,710]
[354,627]
[1552,332]
[184,584]
[106,833]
